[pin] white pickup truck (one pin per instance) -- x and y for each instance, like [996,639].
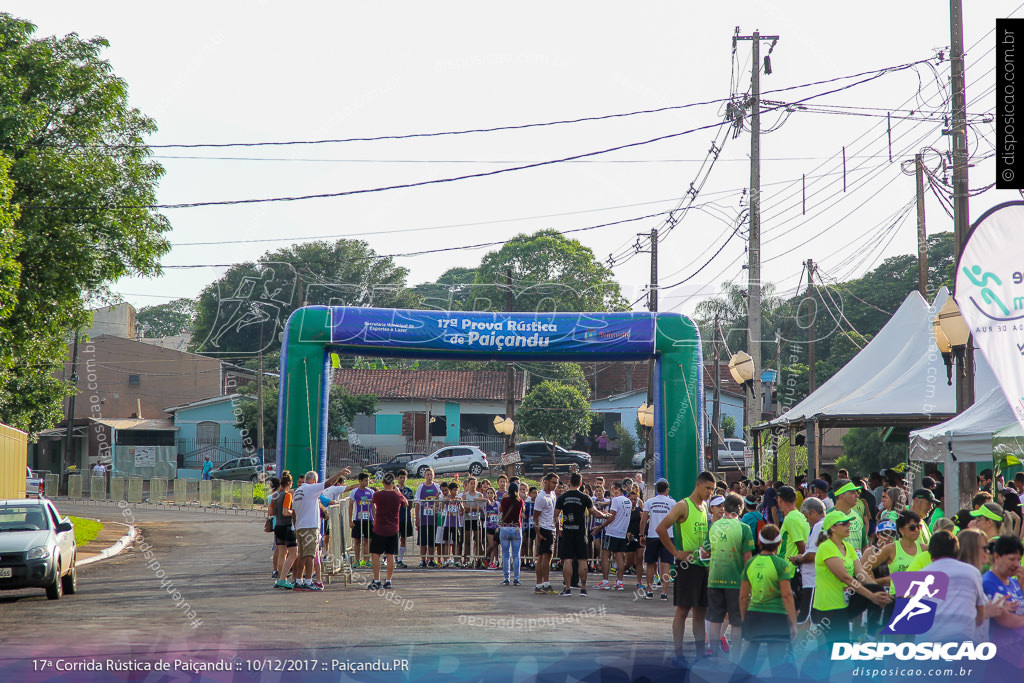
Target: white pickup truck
[34,484]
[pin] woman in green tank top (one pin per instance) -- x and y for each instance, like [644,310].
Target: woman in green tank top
[899,554]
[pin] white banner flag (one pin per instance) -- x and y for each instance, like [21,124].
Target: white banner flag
[990,293]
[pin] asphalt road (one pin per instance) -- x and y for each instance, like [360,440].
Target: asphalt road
[220,567]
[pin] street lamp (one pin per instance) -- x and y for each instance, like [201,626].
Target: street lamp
[506,426]
[645,415]
[741,367]
[951,335]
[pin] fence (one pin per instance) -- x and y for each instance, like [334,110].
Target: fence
[241,495]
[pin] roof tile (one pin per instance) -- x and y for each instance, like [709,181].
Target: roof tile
[464,385]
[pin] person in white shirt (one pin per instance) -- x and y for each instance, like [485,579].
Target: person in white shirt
[98,470]
[814,511]
[615,528]
[655,554]
[306,506]
[544,522]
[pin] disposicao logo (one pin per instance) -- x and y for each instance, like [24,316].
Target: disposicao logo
[917,596]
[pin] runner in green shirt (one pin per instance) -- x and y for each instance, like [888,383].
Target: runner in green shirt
[767,604]
[795,528]
[835,567]
[731,544]
[922,504]
[847,497]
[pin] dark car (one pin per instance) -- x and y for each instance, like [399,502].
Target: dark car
[399,462]
[37,548]
[535,455]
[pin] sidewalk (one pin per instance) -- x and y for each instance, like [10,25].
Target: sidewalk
[112,539]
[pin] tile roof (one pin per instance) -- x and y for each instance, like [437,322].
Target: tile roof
[472,385]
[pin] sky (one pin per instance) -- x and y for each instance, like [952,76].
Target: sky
[258,71]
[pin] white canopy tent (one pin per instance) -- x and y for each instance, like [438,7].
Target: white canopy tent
[968,437]
[898,379]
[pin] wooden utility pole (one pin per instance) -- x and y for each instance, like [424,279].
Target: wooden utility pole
[510,383]
[716,400]
[812,373]
[652,305]
[961,222]
[259,408]
[752,414]
[69,438]
[922,234]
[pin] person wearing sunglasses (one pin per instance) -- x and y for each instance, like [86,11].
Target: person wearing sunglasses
[897,554]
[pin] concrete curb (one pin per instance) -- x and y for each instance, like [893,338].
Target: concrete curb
[115,549]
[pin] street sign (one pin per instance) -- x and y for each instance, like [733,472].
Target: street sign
[748,458]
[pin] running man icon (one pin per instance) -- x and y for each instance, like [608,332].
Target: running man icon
[918,591]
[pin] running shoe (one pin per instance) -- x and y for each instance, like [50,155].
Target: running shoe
[725,645]
[423,564]
[516,583]
[539,591]
[664,596]
[274,575]
[505,583]
[657,580]
[566,592]
[619,586]
[401,565]
[373,585]
[387,585]
[583,592]
[302,587]
[318,585]
[549,590]
[315,587]
[603,586]
[284,584]
[649,595]
[432,564]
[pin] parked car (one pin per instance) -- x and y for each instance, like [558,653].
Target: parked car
[37,548]
[241,469]
[399,462]
[638,459]
[451,459]
[535,455]
[34,484]
[730,454]
[364,453]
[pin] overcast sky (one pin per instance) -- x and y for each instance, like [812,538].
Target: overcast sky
[217,72]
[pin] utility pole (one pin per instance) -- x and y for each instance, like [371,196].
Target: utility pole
[259,408]
[68,438]
[652,306]
[510,383]
[961,219]
[716,400]
[812,373]
[922,235]
[753,409]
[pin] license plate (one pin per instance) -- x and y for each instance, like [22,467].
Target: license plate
[6,573]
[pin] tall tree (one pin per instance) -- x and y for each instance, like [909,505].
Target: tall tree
[167,320]
[453,291]
[83,180]
[243,312]
[549,273]
[554,411]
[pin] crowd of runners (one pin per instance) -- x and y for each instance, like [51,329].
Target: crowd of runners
[788,567]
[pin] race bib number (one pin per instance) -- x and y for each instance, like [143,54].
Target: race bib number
[428,511]
[492,519]
[365,516]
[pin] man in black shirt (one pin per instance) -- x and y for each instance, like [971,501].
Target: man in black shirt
[573,542]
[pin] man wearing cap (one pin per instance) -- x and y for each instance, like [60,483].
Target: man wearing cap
[922,504]
[987,519]
[847,496]
[819,489]
[813,511]
[937,512]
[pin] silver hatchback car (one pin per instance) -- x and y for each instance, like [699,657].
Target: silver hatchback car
[37,548]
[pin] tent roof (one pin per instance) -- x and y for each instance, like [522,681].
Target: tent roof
[897,379]
[968,435]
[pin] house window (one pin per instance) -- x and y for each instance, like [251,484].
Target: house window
[364,424]
[134,380]
[207,433]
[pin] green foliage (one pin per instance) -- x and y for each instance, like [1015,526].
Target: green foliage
[245,309]
[866,451]
[554,411]
[729,426]
[641,435]
[453,291]
[549,273]
[566,373]
[779,453]
[342,408]
[82,178]
[85,530]
[627,447]
[167,320]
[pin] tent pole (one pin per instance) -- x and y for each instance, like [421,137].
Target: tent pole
[812,450]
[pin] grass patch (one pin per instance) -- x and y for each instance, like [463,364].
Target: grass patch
[85,530]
